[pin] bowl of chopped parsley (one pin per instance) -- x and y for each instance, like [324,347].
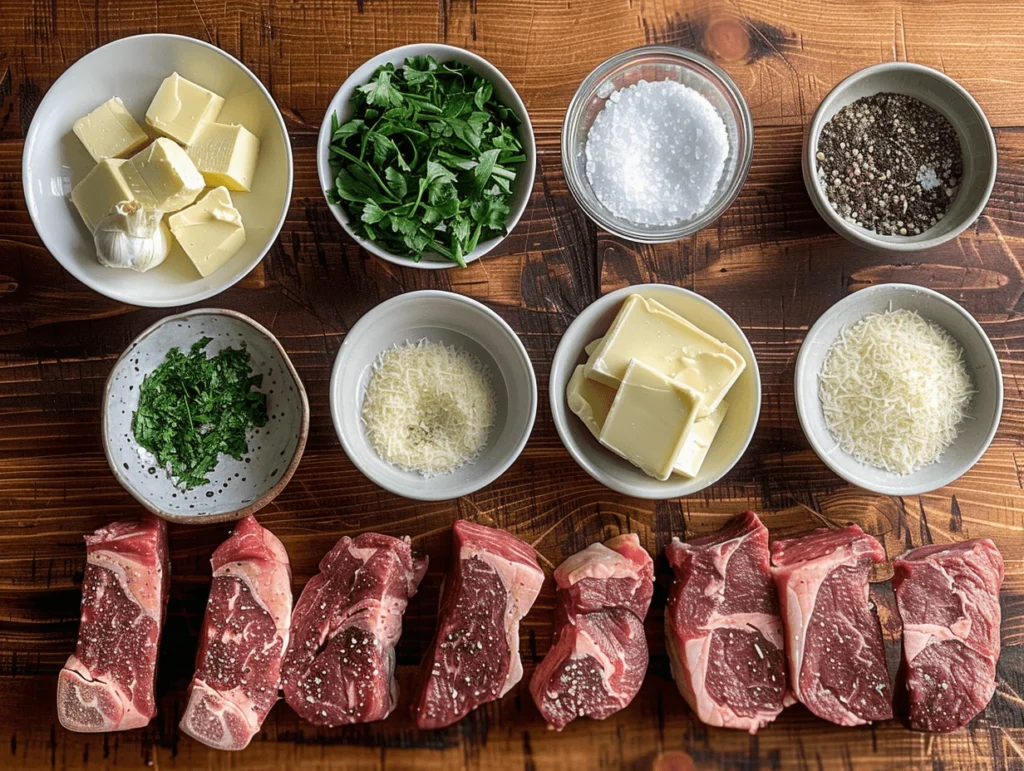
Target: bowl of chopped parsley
[204,417]
[426,156]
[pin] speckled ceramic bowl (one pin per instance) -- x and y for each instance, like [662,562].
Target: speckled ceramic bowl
[236,487]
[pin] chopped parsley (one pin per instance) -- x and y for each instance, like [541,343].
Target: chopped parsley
[192,409]
[427,161]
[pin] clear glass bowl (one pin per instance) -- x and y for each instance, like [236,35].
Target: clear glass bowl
[653,63]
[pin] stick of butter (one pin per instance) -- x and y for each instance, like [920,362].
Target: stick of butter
[646,330]
[650,419]
[226,155]
[110,131]
[210,232]
[163,176]
[180,107]
[102,189]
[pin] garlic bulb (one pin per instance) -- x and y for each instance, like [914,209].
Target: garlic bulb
[132,236]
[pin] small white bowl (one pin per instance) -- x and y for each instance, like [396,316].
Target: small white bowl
[602,464]
[132,68]
[982,365]
[236,487]
[505,93]
[441,317]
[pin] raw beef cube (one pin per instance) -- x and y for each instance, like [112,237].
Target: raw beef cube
[833,639]
[107,684]
[245,631]
[340,665]
[722,627]
[599,657]
[493,582]
[948,597]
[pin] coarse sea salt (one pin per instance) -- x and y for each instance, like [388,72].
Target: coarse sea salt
[656,152]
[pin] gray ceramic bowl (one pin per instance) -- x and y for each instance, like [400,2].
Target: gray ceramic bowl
[236,487]
[943,94]
[982,365]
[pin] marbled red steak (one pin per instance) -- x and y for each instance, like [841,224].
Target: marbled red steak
[474,657]
[599,657]
[245,631]
[834,643]
[948,598]
[107,684]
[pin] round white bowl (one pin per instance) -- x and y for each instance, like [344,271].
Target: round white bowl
[602,464]
[941,93]
[505,93]
[132,68]
[982,365]
[236,487]
[441,317]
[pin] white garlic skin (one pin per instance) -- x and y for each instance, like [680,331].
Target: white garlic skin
[132,236]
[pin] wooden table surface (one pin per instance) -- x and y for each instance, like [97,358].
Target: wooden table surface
[769,261]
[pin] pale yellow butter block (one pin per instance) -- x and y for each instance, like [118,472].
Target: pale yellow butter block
[180,107]
[210,231]
[650,419]
[592,346]
[102,189]
[226,155]
[646,330]
[163,176]
[110,131]
[698,443]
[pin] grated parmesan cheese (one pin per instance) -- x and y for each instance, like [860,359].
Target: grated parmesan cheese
[428,407]
[894,390]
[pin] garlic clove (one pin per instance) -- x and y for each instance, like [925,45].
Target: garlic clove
[132,236]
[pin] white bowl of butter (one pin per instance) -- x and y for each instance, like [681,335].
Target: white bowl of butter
[661,376]
[132,69]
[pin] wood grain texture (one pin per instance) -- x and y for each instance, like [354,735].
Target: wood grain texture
[769,261]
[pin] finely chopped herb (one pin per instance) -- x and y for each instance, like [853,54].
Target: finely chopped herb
[890,163]
[192,409]
[428,160]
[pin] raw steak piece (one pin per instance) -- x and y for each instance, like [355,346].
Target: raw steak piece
[340,665]
[722,627]
[948,597]
[599,657]
[833,640]
[107,684]
[245,631]
[474,657]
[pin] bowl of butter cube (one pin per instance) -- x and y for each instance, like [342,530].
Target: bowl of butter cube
[157,170]
[655,391]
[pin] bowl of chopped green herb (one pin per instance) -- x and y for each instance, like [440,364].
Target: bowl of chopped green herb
[204,417]
[426,156]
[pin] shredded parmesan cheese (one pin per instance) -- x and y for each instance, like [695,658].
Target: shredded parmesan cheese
[428,407]
[894,390]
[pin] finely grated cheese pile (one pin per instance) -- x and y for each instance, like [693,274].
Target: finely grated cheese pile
[894,390]
[428,407]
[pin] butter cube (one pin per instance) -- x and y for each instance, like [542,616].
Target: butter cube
[163,176]
[646,330]
[180,107]
[210,231]
[110,131]
[695,448]
[102,189]
[225,155]
[650,419]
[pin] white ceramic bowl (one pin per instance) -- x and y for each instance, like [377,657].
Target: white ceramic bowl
[982,365]
[442,317]
[132,68]
[505,93]
[236,487]
[602,464]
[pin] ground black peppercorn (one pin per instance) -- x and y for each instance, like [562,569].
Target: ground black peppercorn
[890,163]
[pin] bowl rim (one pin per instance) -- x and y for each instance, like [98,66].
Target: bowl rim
[862,236]
[293,464]
[743,164]
[802,397]
[429,296]
[70,266]
[565,358]
[485,68]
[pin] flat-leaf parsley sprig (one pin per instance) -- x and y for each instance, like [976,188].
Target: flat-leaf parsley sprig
[427,162]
